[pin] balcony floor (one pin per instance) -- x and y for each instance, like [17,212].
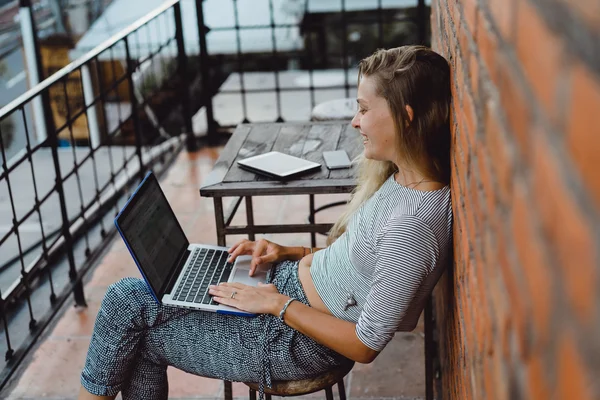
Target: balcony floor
[51,370]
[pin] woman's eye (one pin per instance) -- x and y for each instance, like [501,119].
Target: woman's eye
[362,110]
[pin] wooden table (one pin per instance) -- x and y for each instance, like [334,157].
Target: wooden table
[306,140]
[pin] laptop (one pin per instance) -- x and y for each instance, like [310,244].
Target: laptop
[177,272]
[278,165]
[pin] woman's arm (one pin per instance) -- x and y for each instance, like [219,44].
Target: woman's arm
[330,331]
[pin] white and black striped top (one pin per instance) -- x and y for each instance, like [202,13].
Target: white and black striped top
[389,259]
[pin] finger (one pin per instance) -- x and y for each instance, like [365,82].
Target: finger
[242,248]
[231,285]
[228,301]
[232,248]
[259,249]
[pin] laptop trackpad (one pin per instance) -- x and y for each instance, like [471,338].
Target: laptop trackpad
[241,274]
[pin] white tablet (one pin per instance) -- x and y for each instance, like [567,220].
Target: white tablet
[278,165]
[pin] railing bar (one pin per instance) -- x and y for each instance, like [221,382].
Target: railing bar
[118,97]
[239,60]
[92,151]
[107,44]
[283,89]
[361,21]
[134,108]
[274,55]
[9,350]
[345,48]
[105,121]
[159,24]
[18,236]
[76,166]
[309,48]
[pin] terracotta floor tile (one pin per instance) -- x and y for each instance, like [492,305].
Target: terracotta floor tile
[79,321]
[184,385]
[397,371]
[54,370]
[114,266]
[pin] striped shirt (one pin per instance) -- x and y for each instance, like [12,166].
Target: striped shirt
[388,261]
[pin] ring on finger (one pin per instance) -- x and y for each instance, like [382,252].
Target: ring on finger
[233,294]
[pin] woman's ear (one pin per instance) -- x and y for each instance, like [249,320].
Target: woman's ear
[410,112]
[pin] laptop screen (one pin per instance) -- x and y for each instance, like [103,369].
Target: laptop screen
[153,233]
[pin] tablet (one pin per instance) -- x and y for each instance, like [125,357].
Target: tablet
[278,165]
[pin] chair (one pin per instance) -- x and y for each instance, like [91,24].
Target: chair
[325,381]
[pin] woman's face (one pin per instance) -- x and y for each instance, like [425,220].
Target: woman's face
[375,123]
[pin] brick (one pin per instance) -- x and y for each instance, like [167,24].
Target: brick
[515,106]
[463,41]
[501,156]
[502,17]
[487,184]
[540,53]
[469,12]
[468,115]
[533,262]
[474,75]
[573,382]
[487,44]
[537,382]
[566,227]
[587,11]
[516,294]
[583,140]
[460,77]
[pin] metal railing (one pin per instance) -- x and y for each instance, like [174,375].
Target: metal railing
[98,132]
[95,127]
[334,36]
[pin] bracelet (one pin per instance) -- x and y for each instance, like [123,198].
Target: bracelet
[284,309]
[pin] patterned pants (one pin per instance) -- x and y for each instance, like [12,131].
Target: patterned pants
[135,339]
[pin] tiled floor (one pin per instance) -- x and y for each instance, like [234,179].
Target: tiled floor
[52,370]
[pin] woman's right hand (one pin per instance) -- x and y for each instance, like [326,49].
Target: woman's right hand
[262,252]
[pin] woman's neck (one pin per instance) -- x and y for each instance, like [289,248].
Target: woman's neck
[412,178]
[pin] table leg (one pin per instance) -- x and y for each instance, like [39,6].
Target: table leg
[250,217]
[311,206]
[220,220]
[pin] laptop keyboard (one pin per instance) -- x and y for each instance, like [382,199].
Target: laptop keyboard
[208,267]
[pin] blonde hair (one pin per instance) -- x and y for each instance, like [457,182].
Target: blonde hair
[415,76]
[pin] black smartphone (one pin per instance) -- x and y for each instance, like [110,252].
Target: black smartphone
[336,159]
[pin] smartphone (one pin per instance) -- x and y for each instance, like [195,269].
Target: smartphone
[336,159]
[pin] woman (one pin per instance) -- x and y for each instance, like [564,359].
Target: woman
[322,306]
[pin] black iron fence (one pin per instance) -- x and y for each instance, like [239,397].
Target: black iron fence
[92,131]
[95,127]
[299,57]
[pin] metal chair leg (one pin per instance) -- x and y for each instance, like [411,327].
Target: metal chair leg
[329,393]
[228,390]
[342,389]
[267,396]
[252,395]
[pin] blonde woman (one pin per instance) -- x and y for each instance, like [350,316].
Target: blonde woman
[322,306]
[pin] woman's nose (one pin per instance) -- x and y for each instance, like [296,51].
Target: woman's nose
[356,120]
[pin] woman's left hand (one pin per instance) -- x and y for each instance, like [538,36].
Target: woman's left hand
[261,299]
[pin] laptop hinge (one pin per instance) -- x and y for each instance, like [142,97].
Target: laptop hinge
[175,274]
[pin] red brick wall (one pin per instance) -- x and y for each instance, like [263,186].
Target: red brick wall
[518,315]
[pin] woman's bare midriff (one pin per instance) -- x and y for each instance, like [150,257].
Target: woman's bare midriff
[307,284]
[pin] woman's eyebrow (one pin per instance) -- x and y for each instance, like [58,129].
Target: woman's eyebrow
[361,101]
